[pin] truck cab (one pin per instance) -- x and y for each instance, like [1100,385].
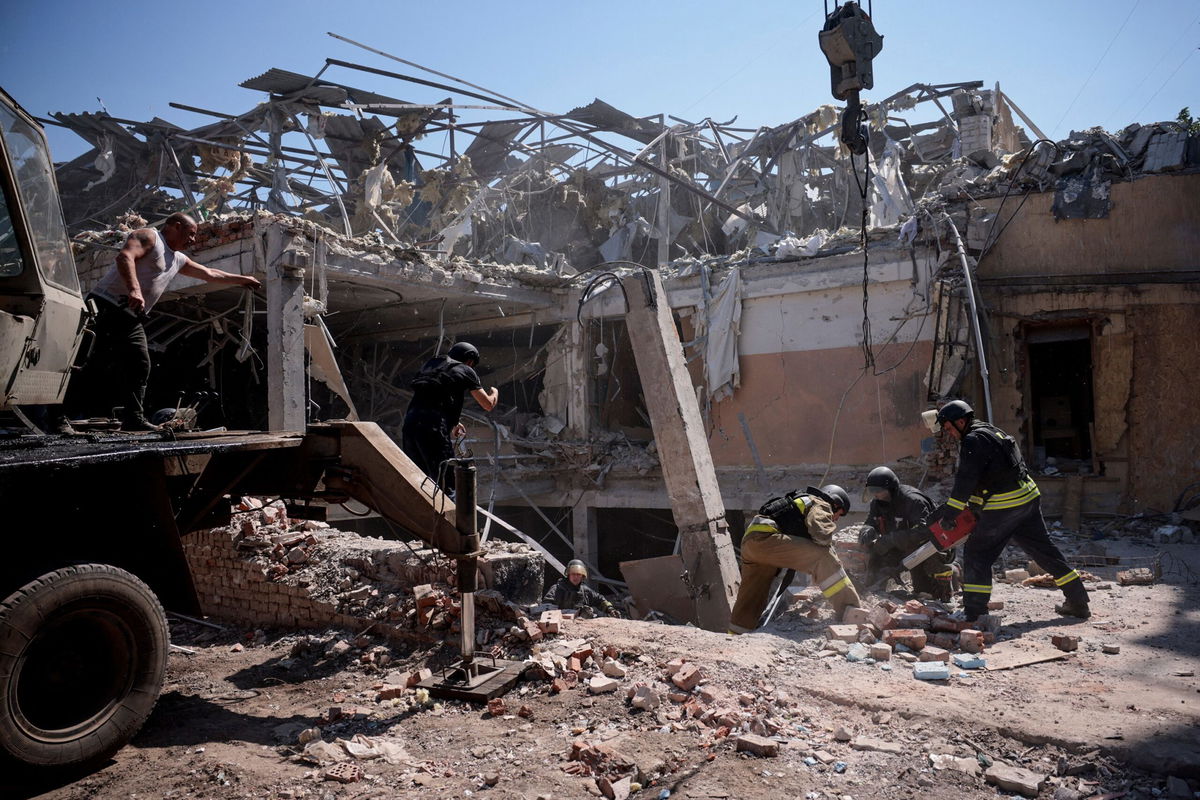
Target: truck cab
[42,313]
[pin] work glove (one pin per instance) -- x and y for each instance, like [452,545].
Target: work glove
[883,545]
[867,536]
[943,515]
[612,612]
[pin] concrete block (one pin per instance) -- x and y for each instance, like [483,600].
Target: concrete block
[881,652]
[858,652]
[911,638]
[674,665]
[550,621]
[645,698]
[1016,575]
[871,744]
[602,685]
[931,671]
[1111,649]
[758,745]
[907,657]
[1015,779]
[995,605]
[842,633]
[496,707]
[969,661]
[1138,576]
[613,669]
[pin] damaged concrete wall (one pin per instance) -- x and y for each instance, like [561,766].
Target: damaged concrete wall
[1134,278]
[1164,438]
[800,351]
[1154,226]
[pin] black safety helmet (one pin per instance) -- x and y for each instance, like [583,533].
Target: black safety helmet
[464,352]
[834,495]
[954,410]
[879,481]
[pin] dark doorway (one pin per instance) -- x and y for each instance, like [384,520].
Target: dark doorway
[1060,388]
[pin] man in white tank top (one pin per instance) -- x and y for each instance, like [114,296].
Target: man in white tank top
[142,272]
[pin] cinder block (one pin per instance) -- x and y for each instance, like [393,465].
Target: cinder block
[931,671]
[881,652]
[842,633]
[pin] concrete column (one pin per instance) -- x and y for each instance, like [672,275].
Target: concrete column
[285,345]
[584,533]
[683,451]
[577,373]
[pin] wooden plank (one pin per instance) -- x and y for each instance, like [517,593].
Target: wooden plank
[1012,655]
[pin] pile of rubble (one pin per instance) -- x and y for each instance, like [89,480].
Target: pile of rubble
[376,579]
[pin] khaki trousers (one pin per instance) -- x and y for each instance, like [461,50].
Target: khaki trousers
[763,554]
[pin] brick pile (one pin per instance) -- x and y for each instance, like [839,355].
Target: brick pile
[914,632]
[268,570]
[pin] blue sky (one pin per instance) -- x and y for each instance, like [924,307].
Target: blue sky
[1067,63]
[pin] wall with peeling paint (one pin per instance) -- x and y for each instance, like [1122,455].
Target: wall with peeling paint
[801,360]
[1135,279]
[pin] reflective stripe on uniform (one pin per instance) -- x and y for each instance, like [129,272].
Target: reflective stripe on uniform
[1023,494]
[1070,576]
[958,504]
[762,524]
[834,583]
[978,588]
[944,575]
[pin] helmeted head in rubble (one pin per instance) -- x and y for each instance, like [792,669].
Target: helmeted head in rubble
[465,352]
[576,571]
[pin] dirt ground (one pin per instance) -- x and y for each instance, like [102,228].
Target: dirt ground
[1095,724]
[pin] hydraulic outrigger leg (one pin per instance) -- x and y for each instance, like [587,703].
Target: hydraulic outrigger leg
[468,679]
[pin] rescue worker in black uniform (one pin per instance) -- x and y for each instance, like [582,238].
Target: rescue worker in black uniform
[993,481]
[436,407]
[571,593]
[898,516]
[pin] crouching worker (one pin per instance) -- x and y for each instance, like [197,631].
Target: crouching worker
[572,594]
[897,526]
[793,532]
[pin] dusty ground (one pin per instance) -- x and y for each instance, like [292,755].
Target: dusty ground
[1097,725]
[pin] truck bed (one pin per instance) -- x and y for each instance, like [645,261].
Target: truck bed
[28,451]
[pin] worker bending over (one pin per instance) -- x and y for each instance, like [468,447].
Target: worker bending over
[793,532]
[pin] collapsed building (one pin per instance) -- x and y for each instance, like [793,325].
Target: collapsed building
[823,301]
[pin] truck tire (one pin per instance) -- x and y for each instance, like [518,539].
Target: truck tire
[83,651]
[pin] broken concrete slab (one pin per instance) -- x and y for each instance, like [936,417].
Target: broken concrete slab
[1015,779]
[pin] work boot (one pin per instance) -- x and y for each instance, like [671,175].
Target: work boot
[139,425]
[1073,609]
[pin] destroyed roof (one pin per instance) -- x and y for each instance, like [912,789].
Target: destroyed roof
[569,191]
